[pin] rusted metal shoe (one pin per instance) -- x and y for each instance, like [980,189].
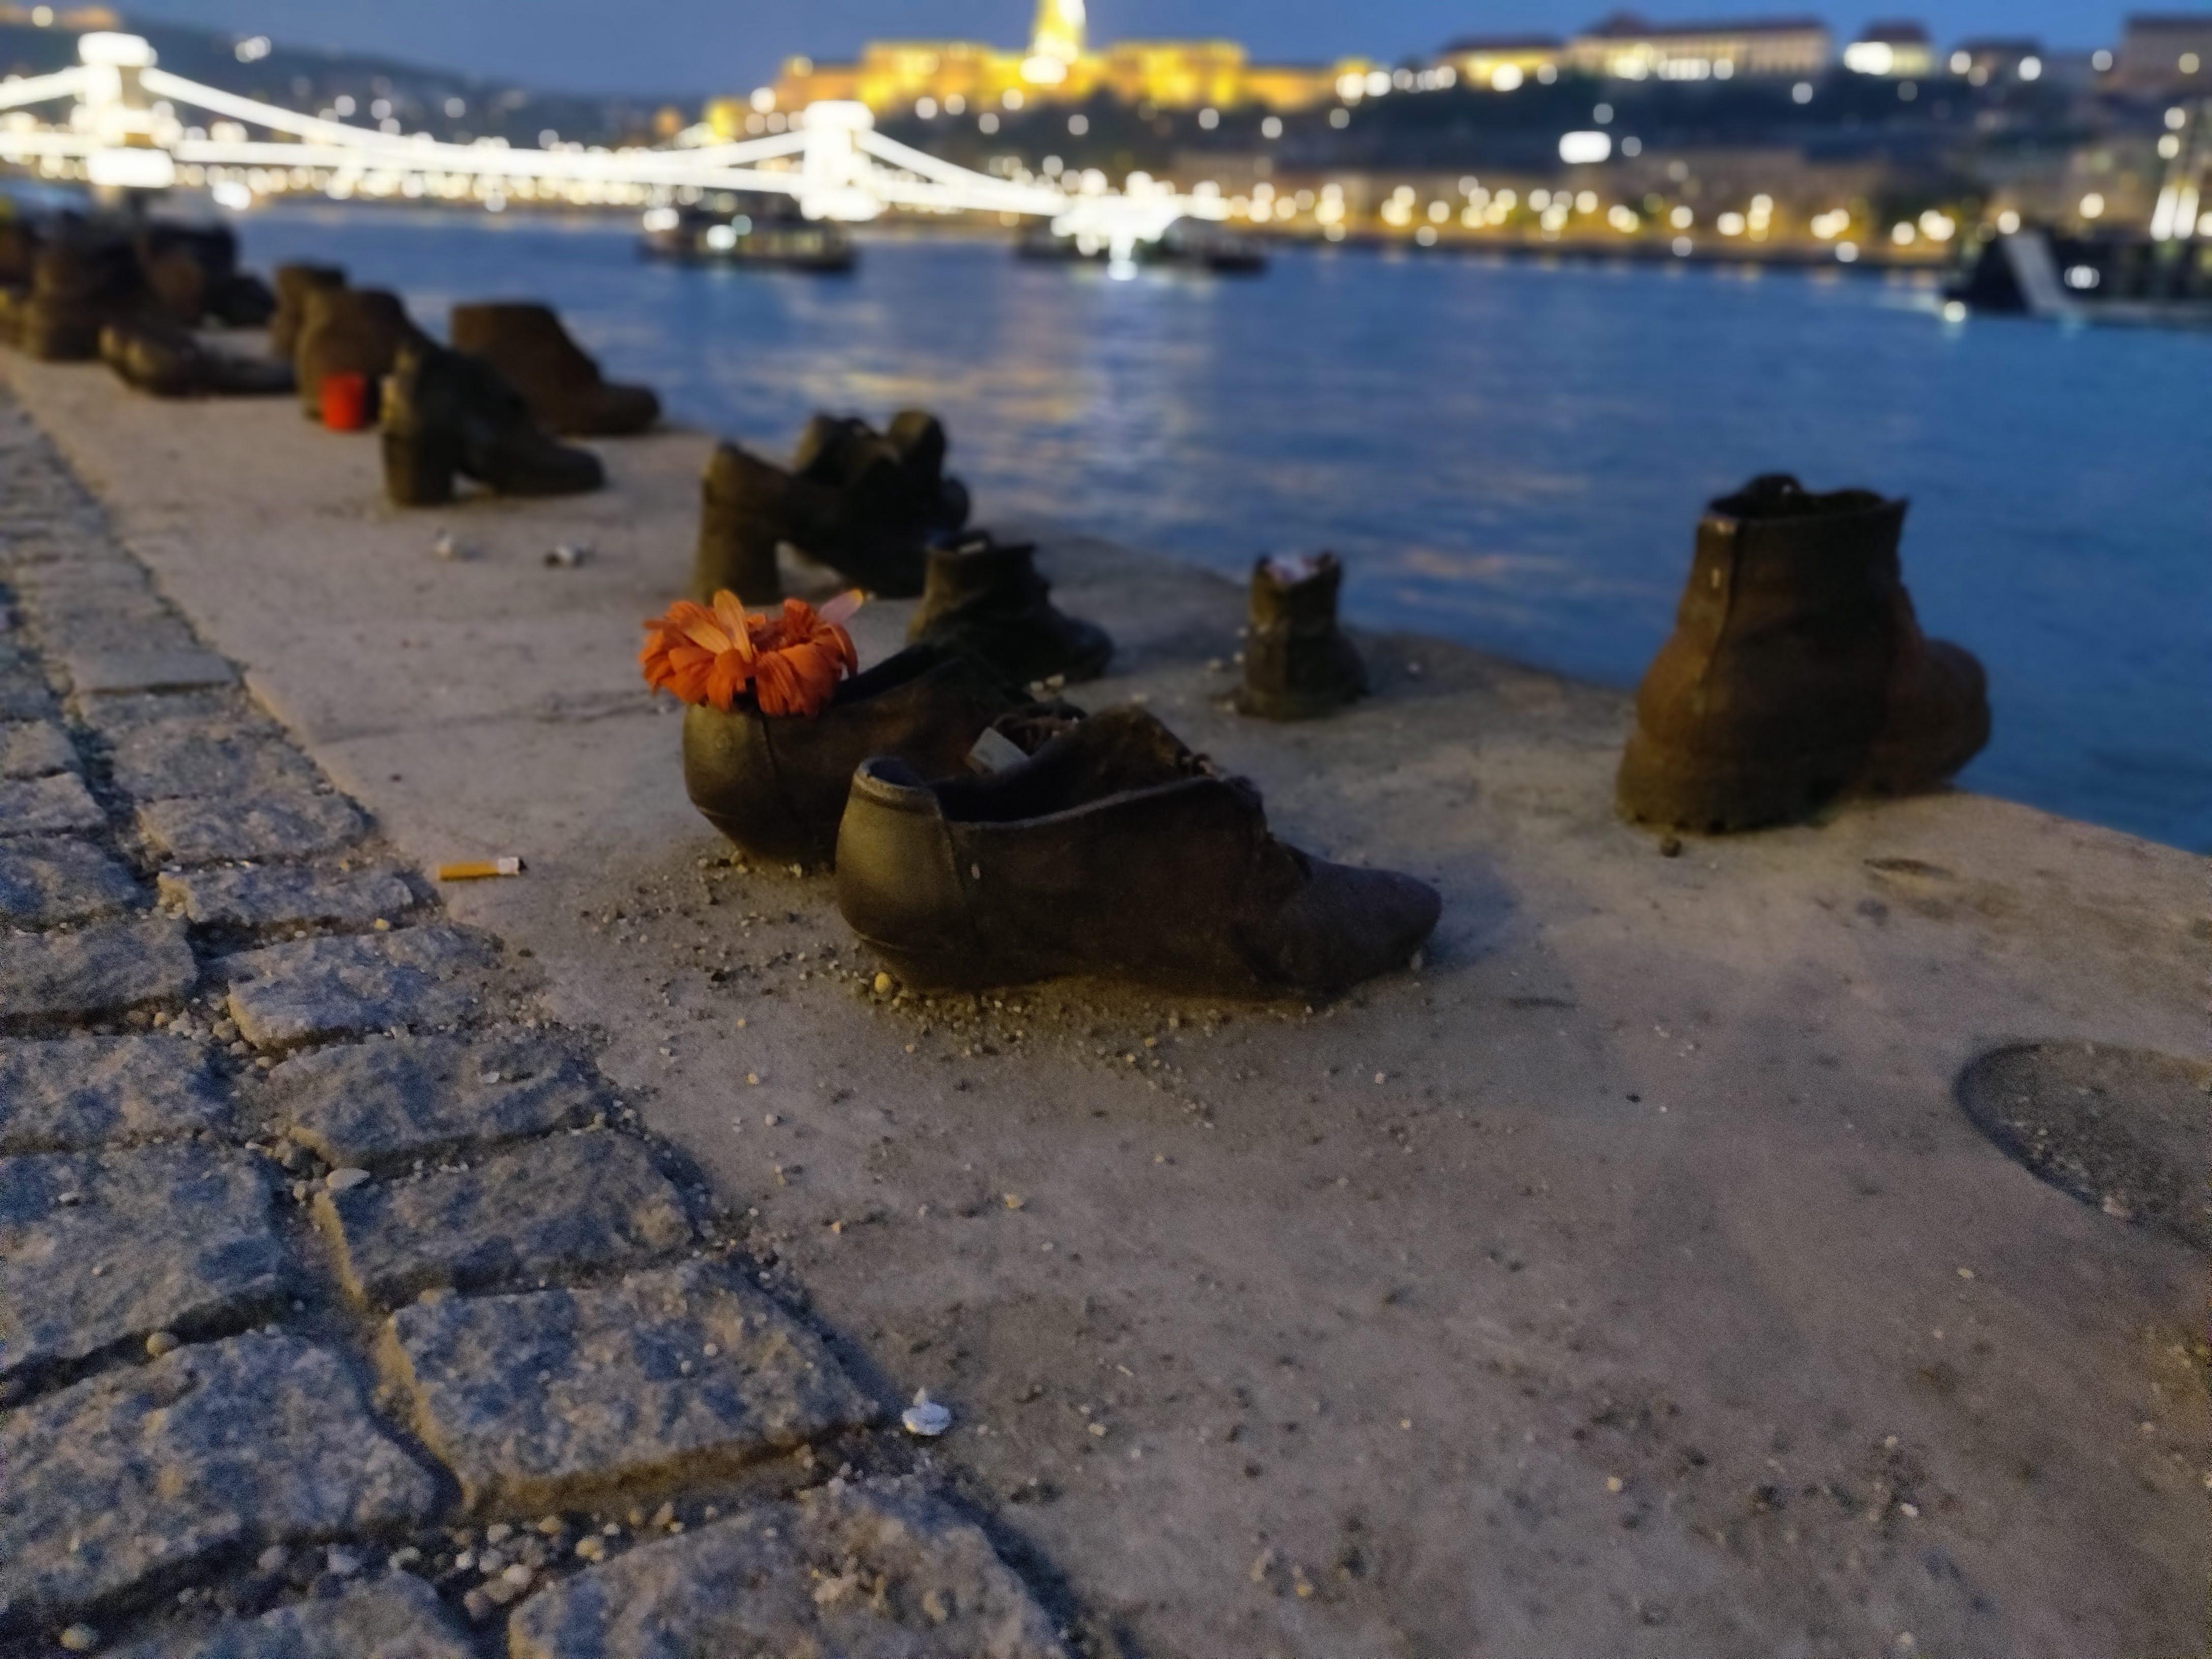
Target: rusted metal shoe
[987,599]
[1797,673]
[567,394]
[1298,665]
[1113,851]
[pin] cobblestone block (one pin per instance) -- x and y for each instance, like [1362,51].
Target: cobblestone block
[124,641]
[78,1093]
[108,1248]
[34,749]
[874,1571]
[313,990]
[577,1202]
[287,825]
[47,880]
[116,717]
[22,698]
[135,1480]
[557,1399]
[382,1103]
[397,1618]
[39,807]
[104,969]
[175,666]
[169,759]
[286,894]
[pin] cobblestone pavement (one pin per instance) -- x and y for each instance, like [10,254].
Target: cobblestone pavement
[345,1311]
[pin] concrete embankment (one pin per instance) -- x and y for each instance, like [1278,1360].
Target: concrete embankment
[1628,1280]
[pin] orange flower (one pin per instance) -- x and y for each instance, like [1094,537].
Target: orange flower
[790,664]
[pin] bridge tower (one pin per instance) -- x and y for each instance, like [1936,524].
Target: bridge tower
[114,112]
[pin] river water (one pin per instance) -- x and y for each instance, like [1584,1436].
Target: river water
[1511,455]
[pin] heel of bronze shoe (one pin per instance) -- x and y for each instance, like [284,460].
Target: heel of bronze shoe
[1679,791]
[737,558]
[419,470]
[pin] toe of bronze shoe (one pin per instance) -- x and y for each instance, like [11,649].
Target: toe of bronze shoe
[1346,925]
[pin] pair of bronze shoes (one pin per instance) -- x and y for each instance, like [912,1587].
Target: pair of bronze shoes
[864,503]
[982,836]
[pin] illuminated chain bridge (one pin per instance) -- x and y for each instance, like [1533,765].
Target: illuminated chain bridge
[125,129]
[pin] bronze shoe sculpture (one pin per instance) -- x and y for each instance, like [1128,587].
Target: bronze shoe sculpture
[1298,663]
[562,386]
[988,600]
[83,278]
[187,267]
[864,528]
[294,284]
[838,451]
[776,784]
[447,414]
[1797,672]
[1112,851]
[170,360]
[348,331]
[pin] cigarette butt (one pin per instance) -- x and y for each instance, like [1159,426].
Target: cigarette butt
[480,870]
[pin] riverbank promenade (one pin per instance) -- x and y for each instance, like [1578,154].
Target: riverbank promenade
[512,1267]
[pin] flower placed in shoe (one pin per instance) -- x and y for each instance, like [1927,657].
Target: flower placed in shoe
[787,664]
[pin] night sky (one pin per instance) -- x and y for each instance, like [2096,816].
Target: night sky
[692,46]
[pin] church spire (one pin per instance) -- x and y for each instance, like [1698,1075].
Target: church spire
[1059,34]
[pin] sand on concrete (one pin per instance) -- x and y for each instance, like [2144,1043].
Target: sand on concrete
[1624,1281]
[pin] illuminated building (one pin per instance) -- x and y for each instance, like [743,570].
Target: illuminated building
[1979,62]
[1896,52]
[1058,66]
[2166,56]
[1625,47]
[1503,62]
[76,19]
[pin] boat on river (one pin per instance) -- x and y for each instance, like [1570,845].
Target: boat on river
[766,238]
[2090,279]
[1188,245]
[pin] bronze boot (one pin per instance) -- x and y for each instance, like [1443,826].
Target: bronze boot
[170,360]
[860,529]
[776,784]
[294,284]
[909,456]
[988,600]
[562,386]
[1796,673]
[1112,851]
[447,413]
[349,331]
[83,279]
[1298,663]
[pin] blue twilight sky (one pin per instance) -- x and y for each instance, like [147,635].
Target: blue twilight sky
[697,46]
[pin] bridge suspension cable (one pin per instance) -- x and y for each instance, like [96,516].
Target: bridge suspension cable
[123,127]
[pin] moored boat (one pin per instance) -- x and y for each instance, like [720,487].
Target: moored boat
[697,236]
